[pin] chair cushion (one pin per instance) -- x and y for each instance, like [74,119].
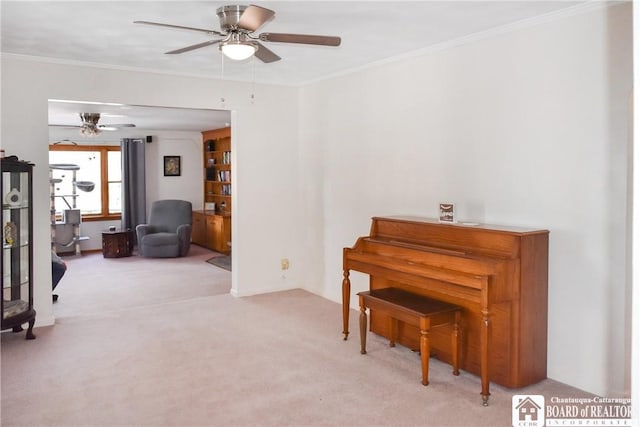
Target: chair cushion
[160,239]
[161,245]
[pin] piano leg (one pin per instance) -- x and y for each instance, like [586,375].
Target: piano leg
[455,345]
[346,295]
[484,357]
[425,325]
[363,327]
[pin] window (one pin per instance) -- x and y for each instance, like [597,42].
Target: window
[97,165]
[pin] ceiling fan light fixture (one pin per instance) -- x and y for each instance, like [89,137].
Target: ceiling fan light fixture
[238,50]
[89,130]
[89,124]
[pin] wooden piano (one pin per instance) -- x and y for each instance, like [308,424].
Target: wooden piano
[497,274]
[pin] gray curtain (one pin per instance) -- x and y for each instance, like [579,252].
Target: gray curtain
[134,199]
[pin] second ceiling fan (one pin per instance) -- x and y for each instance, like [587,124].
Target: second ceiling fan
[237,40]
[90,126]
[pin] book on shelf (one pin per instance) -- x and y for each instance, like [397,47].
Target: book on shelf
[210,174]
[224,176]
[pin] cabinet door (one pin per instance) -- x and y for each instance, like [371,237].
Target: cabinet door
[198,229]
[226,234]
[214,231]
[222,234]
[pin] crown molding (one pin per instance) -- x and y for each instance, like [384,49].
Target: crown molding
[76,63]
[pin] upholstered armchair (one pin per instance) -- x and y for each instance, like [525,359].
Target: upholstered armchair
[168,233]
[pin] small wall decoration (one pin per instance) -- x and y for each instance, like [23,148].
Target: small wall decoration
[171,165]
[447,212]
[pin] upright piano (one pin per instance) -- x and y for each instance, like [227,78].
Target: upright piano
[497,274]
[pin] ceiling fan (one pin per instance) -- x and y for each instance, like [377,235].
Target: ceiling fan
[90,126]
[237,40]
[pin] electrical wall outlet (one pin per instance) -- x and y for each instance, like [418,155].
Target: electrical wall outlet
[284,264]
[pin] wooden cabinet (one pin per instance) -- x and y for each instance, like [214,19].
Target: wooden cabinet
[198,228]
[117,243]
[211,230]
[17,246]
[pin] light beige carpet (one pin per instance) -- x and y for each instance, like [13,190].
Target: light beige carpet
[188,359]
[93,284]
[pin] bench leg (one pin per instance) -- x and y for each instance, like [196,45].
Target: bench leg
[455,345]
[346,296]
[425,325]
[363,327]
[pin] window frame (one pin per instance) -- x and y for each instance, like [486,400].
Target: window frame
[104,183]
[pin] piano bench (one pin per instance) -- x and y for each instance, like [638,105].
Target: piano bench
[416,310]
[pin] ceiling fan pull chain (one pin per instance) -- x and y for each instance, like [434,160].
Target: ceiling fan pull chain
[222,67]
[253,79]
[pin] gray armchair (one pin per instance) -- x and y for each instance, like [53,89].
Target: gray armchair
[168,233]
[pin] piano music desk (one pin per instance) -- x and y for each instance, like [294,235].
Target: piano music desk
[416,310]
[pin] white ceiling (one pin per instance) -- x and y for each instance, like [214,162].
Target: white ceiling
[102,32]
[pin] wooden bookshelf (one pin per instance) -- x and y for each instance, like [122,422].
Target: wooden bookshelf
[212,228]
[217,168]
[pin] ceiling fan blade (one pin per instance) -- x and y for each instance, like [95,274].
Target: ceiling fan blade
[266,55]
[193,47]
[180,27]
[116,126]
[254,16]
[66,126]
[300,38]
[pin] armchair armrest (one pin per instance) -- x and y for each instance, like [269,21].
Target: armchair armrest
[184,235]
[141,231]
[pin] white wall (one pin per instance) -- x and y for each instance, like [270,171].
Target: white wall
[187,186]
[264,169]
[525,128]
[634,295]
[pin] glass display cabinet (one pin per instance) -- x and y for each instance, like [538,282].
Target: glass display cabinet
[17,248]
